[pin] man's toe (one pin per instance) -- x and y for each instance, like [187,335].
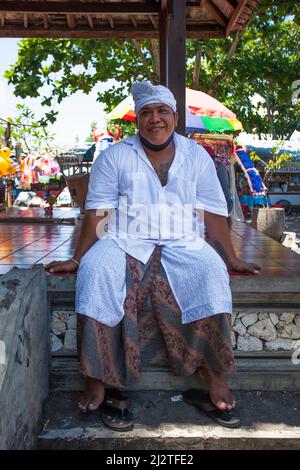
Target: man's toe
[92,406]
[221,405]
[82,406]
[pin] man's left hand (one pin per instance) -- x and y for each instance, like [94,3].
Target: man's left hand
[244,267]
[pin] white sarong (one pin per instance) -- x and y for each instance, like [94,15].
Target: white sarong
[198,278]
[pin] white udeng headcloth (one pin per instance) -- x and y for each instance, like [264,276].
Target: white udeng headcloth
[144,93]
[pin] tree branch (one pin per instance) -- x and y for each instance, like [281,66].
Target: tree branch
[154,51]
[215,82]
[196,69]
[135,42]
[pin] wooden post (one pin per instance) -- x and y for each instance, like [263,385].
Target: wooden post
[163,43]
[176,57]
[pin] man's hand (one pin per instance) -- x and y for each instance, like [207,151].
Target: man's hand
[243,267]
[59,266]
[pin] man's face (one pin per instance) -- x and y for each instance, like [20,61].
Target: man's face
[156,122]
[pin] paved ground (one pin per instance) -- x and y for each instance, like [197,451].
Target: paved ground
[270,420]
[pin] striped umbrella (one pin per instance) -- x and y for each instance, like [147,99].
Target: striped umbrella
[203,113]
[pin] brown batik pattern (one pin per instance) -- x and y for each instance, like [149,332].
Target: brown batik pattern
[151,332]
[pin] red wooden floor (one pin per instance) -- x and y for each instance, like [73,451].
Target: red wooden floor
[25,244]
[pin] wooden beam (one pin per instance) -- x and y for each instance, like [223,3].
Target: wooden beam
[2,20]
[176,58]
[111,22]
[194,4]
[133,21]
[120,8]
[82,32]
[205,32]
[90,21]
[25,19]
[216,13]
[71,21]
[232,3]
[163,40]
[234,19]
[103,32]
[45,21]
[153,22]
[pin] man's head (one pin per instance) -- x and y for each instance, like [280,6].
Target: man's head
[155,108]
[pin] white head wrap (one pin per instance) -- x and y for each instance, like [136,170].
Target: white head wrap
[144,93]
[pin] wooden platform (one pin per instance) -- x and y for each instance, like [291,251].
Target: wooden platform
[21,215]
[28,243]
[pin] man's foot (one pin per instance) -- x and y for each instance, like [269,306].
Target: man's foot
[218,390]
[93,395]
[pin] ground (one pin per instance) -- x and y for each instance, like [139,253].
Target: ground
[270,420]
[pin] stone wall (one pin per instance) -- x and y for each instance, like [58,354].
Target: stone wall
[25,354]
[63,330]
[265,331]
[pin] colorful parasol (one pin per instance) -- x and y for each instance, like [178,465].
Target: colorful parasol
[203,113]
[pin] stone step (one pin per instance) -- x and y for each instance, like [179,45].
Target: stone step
[253,373]
[270,420]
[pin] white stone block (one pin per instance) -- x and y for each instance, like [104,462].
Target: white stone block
[71,325]
[239,328]
[233,339]
[56,343]
[243,314]
[61,314]
[274,318]
[70,340]
[249,319]
[263,316]
[288,330]
[263,329]
[297,319]
[58,327]
[296,345]
[249,344]
[287,317]
[286,344]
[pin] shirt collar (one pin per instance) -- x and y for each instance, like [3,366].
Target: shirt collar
[182,149]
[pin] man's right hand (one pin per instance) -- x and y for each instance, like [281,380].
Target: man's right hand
[61,266]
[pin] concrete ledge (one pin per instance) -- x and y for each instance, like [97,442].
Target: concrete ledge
[269,373]
[164,421]
[251,292]
[24,372]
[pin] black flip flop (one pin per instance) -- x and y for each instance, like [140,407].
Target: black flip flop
[115,413]
[226,418]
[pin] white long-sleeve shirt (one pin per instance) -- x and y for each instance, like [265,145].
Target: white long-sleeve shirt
[147,213]
[154,215]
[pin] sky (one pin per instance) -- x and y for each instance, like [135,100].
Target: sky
[76,112]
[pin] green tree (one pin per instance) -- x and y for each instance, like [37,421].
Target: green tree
[262,60]
[278,161]
[90,137]
[29,132]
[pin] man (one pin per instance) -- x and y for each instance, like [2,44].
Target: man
[150,193]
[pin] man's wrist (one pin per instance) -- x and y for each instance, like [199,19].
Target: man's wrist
[75,261]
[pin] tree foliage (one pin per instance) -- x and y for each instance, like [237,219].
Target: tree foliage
[27,132]
[263,60]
